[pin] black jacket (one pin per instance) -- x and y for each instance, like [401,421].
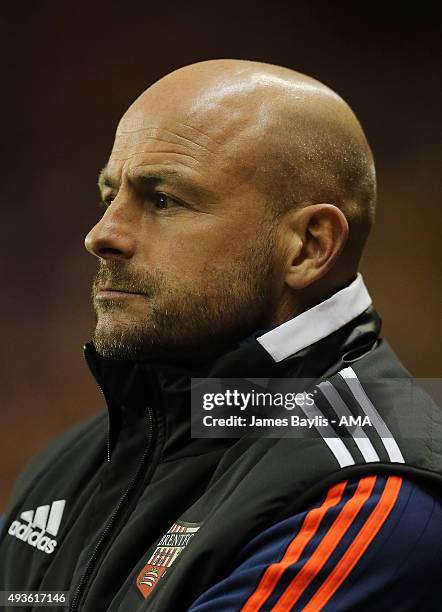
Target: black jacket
[132,477]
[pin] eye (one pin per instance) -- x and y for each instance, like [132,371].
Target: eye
[163,201]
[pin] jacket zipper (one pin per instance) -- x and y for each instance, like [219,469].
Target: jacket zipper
[108,430]
[94,558]
[96,377]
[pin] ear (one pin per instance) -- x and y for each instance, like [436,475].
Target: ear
[315,236]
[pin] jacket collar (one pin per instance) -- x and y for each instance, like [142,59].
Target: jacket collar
[317,322]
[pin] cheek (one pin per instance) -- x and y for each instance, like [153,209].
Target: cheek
[192,246]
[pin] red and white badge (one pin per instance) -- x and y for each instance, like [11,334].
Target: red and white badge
[169,547]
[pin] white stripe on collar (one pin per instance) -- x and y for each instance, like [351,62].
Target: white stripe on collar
[317,322]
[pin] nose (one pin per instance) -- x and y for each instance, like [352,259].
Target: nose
[113,237]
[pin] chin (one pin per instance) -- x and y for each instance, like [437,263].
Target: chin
[115,327]
[120,336]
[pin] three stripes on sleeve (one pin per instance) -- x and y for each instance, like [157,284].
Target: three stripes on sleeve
[348,398]
[371,543]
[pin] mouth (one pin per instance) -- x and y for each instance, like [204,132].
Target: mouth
[112,292]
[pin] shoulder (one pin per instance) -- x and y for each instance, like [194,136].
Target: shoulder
[81,433]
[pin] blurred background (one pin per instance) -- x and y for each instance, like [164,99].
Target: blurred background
[70,69]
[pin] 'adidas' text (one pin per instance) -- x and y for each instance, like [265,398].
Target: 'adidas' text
[45,520]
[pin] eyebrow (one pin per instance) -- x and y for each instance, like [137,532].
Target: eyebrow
[149,177]
[104,180]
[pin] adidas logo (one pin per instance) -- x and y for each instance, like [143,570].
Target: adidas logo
[45,520]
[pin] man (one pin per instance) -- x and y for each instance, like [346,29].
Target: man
[238,198]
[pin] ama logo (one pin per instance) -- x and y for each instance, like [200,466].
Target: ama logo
[38,526]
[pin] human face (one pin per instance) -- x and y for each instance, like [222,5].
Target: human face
[185,245]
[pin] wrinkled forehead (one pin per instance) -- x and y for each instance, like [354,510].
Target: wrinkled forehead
[143,130]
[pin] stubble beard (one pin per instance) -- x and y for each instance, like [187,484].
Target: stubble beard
[180,322]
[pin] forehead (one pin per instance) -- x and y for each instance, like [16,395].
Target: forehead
[208,138]
[147,137]
[167,151]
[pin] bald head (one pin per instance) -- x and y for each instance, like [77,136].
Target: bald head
[289,135]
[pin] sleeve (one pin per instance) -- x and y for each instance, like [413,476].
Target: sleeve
[372,543]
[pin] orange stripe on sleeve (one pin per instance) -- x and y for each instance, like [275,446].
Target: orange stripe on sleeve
[355,551]
[326,547]
[309,527]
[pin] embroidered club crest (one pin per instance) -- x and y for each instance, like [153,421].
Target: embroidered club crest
[169,547]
